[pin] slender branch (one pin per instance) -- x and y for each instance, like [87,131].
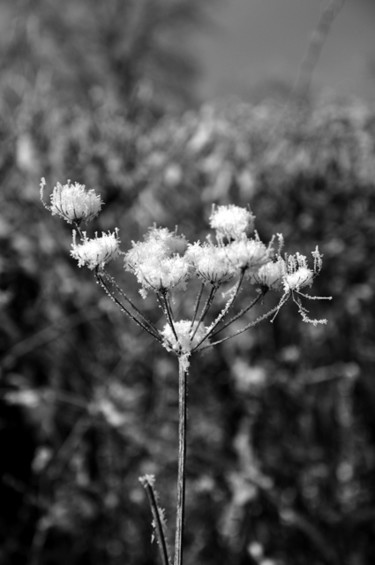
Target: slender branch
[102,283]
[196,306]
[224,311]
[147,482]
[78,228]
[161,295]
[318,37]
[130,302]
[181,476]
[241,313]
[242,330]
[205,309]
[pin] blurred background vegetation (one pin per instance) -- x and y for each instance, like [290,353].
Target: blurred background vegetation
[281,455]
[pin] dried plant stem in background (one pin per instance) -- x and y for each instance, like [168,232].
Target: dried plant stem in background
[318,38]
[147,482]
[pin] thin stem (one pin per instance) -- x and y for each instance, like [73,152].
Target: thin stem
[167,311]
[241,313]
[100,280]
[242,330]
[205,309]
[181,476]
[78,228]
[197,303]
[224,311]
[327,17]
[147,482]
[130,302]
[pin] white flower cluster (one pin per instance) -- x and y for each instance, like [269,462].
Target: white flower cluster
[164,260]
[248,254]
[231,222]
[156,261]
[234,252]
[270,275]
[297,272]
[210,262]
[96,252]
[288,274]
[73,202]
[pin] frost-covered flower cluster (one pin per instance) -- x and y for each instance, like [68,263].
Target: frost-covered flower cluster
[248,254]
[156,261]
[231,222]
[163,263]
[210,262]
[73,202]
[271,275]
[96,252]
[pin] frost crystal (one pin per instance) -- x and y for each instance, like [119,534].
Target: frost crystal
[184,332]
[97,252]
[231,222]
[73,202]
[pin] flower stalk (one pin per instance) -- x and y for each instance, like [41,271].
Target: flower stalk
[181,473]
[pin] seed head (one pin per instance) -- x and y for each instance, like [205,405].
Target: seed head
[156,261]
[248,254]
[95,253]
[231,222]
[72,202]
[271,275]
[211,262]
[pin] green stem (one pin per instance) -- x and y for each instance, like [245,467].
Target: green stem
[181,476]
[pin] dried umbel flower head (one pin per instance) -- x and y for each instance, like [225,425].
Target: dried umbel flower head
[297,275]
[156,261]
[162,274]
[231,222]
[157,244]
[270,275]
[210,262]
[95,253]
[72,202]
[248,254]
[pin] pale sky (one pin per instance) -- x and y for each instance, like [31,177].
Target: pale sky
[257,40]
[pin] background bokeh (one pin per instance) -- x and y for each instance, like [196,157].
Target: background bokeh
[281,450]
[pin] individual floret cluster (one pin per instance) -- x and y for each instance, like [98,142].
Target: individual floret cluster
[157,262]
[75,204]
[231,222]
[96,252]
[72,202]
[210,262]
